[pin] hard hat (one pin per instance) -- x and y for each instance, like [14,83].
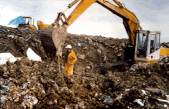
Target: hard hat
[68,46]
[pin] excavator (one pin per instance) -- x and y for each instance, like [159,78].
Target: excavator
[144,45]
[28,24]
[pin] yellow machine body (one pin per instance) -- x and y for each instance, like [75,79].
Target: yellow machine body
[41,25]
[151,48]
[30,24]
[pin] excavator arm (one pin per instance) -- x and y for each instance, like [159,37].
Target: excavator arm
[137,51]
[130,21]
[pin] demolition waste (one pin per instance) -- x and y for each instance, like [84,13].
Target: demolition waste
[95,83]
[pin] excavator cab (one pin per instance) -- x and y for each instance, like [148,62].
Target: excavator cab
[147,47]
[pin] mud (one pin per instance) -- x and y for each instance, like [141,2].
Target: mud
[95,83]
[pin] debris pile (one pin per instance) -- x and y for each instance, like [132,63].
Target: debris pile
[96,53]
[17,41]
[95,84]
[33,84]
[93,52]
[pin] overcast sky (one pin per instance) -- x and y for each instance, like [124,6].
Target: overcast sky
[96,20]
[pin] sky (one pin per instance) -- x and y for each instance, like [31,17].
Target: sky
[96,20]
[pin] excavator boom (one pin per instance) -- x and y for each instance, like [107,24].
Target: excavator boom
[130,21]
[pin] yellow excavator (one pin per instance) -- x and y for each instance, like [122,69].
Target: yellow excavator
[29,24]
[144,45]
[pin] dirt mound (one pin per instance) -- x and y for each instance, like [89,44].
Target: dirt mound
[17,41]
[93,52]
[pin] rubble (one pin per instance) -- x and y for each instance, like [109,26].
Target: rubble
[29,101]
[108,100]
[32,55]
[167,101]
[41,87]
[4,57]
[95,84]
[139,101]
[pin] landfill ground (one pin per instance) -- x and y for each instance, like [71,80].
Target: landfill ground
[27,84]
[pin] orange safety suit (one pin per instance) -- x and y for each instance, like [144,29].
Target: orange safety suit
[69,64]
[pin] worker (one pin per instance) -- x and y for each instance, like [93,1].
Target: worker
[70,59]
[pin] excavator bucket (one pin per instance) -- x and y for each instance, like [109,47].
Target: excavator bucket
[59,36]
[52,40]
